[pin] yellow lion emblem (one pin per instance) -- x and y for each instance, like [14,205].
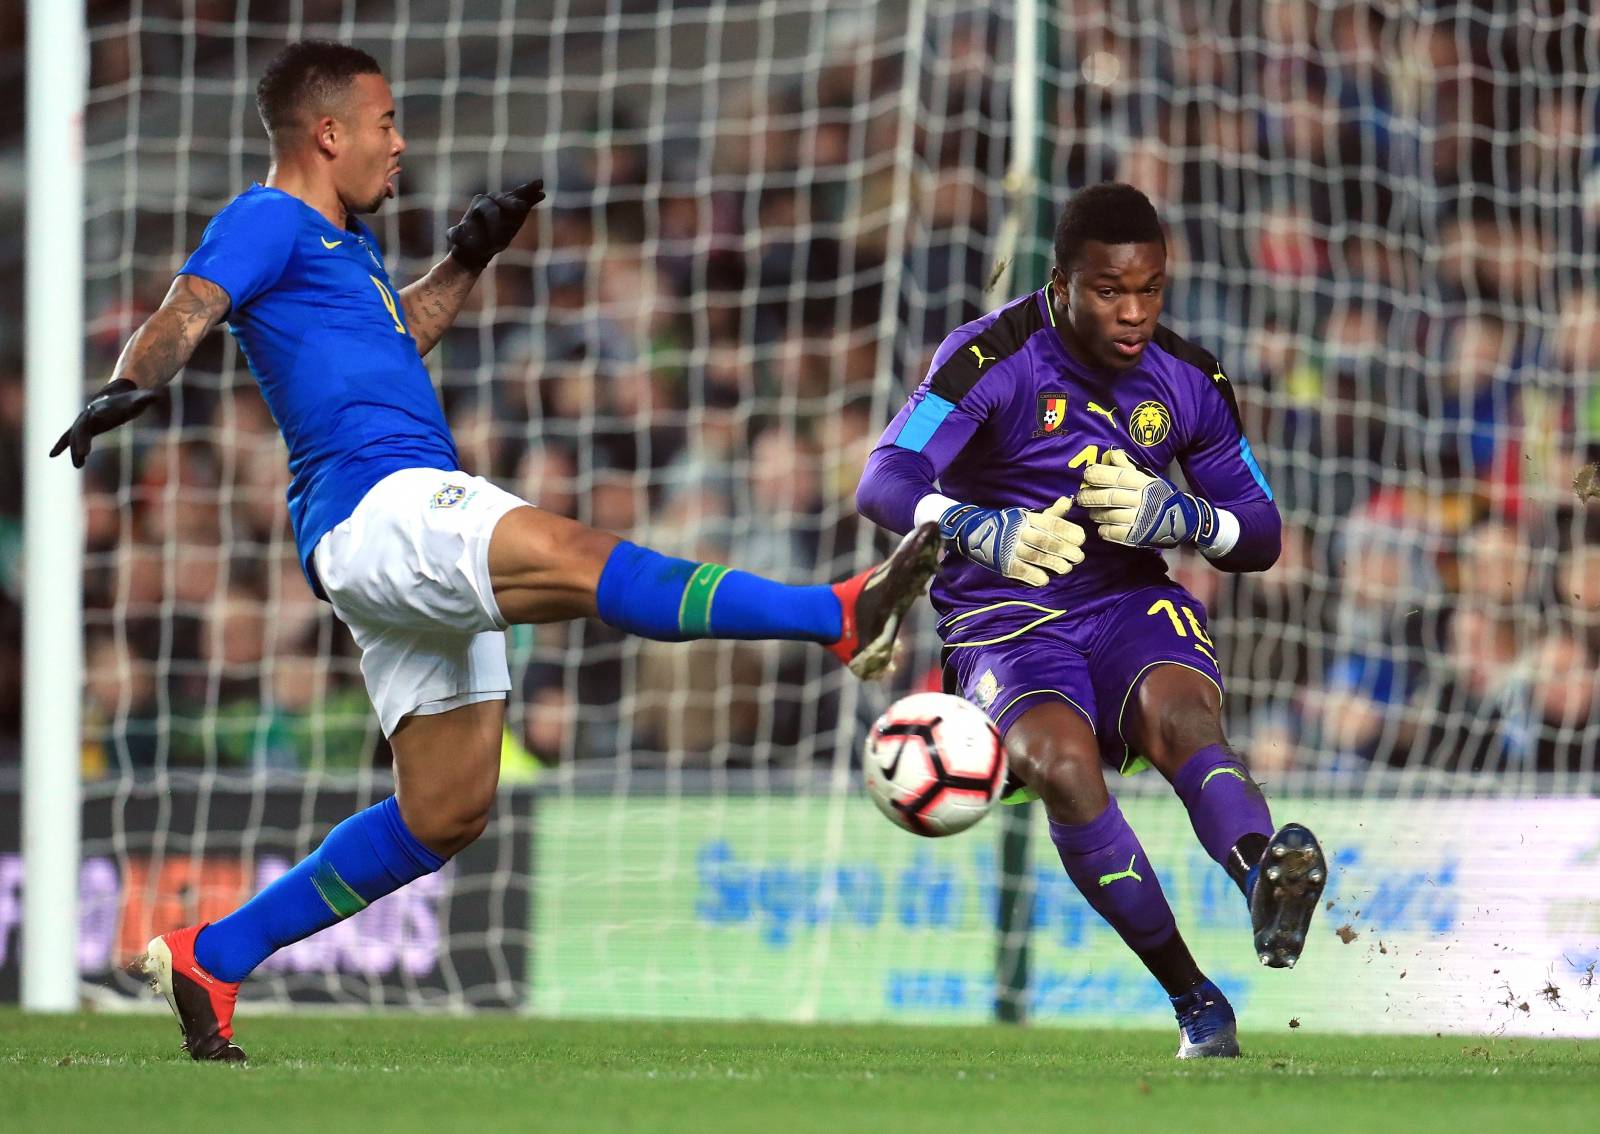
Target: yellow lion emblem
[1150,423]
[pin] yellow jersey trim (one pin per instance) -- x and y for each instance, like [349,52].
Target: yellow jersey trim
[1035,693]
[1131,762]
[1046,614]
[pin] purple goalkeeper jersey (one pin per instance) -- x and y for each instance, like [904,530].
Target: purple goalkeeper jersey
[1006,417]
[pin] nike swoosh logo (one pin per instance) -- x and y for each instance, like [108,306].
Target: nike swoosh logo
[326,243]
[894,765]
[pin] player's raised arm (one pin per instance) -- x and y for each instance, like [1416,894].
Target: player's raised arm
[491,222]
[160,348]
[899,486]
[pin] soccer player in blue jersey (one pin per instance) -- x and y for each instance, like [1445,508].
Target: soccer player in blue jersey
[426,563]
[1040,443]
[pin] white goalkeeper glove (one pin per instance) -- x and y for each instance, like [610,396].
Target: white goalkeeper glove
[1020,544]
[1140,509]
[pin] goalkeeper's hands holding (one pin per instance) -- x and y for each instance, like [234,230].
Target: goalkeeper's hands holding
[1030,547]
[490,223]
[117,402]
[1131,506]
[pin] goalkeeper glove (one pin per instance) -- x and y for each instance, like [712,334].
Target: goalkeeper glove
[1140,509]
[1015,542]
[117,402]
[490,223]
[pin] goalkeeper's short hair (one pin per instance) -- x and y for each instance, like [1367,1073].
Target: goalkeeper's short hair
[1111,212]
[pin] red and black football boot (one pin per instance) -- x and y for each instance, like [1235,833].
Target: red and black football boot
[875,602]
[202,1003]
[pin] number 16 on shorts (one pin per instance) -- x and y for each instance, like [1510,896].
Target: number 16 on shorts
[1186,624]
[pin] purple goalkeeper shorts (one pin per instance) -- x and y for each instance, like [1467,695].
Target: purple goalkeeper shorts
[1093,659]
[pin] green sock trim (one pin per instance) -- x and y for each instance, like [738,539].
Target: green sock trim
[336,891]
[694,611]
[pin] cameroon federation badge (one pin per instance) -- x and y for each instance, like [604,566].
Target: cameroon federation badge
[1051,414]
[1150,423]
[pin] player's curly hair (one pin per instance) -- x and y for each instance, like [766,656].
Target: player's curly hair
[1111,212]
[311,72]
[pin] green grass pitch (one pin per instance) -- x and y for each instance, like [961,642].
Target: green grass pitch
[399,1073]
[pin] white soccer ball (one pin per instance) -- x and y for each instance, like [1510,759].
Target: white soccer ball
[934,764]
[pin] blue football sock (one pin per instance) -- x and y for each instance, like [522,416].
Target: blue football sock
[673,600]
[367,856]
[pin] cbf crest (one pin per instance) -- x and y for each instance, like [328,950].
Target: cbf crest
[1150,423]
[448,496]
[1051,414]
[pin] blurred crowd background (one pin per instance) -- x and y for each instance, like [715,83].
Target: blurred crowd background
[1384,219]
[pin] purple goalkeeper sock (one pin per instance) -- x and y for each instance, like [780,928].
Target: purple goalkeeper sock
[1224,803]
[370,854]
[1105,861]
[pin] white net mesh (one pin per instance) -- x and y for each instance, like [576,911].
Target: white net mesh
[764,216]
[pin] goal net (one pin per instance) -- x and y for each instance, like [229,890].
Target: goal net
[763,216]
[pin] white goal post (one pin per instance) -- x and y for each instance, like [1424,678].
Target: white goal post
[52,647]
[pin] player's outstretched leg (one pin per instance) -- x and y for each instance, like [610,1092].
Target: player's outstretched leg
[1177,723]
[545,568]
[1056,753]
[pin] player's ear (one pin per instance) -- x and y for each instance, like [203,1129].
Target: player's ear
[328,135]
[1061,284]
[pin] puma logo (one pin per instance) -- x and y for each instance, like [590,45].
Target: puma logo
[1107,879]
[980,356]
[1109,414]
[1223,771]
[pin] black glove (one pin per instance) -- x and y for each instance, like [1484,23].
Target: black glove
[118,401]
[491,222]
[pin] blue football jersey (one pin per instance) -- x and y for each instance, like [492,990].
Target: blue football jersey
[322,329]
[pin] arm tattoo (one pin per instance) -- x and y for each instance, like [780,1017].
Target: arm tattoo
[432,303]
[164,344]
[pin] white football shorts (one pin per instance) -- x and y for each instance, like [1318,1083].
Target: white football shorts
[408,572]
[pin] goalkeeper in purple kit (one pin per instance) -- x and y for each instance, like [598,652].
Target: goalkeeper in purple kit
[1039,443]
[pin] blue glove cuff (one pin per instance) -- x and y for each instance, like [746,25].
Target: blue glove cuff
[955,517]
[1205,521]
